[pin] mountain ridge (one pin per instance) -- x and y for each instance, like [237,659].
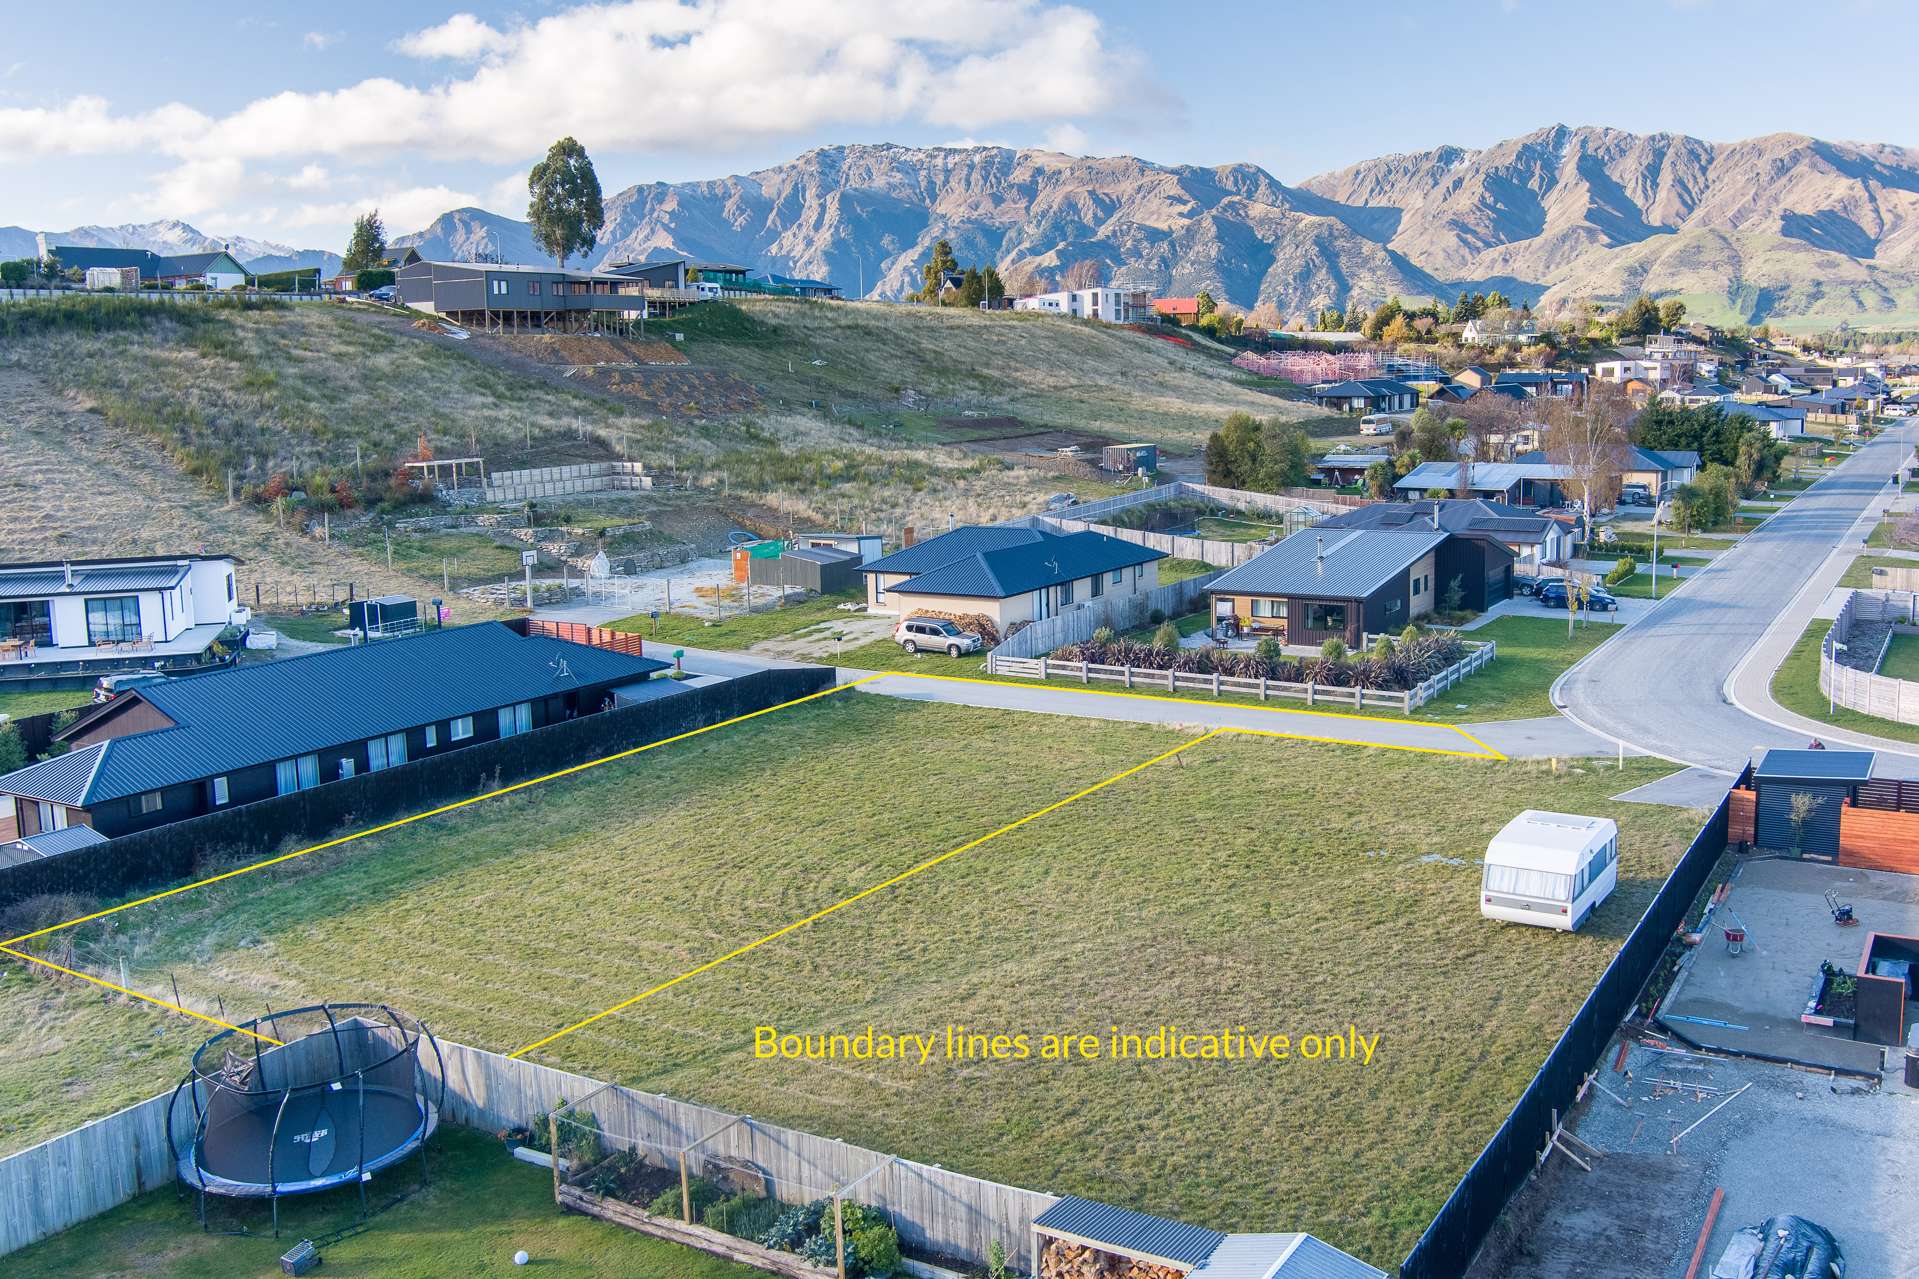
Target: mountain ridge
[168,236]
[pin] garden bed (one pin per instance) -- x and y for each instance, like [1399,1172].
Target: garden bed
[1834,1004]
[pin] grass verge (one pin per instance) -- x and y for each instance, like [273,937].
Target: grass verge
[1533,652]
[1795,686]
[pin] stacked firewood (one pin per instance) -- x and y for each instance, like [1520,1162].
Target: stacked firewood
[1063,1260]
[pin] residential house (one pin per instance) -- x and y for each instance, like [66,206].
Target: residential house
[1115,306]
[664,273]
[219,270]
[508,298]
[1535,539]
[1837,402]
[1346,584]
[1659,469]
[1514,328]
[1555,384]
[1473,376]
[1513,483]
[48,843]
[799,286]
[1782,421]
[1178,310]
[1366,395]
[175,749]
[1697,394]
[85,617]
[1010,575]
[1457,392]
[1340,469]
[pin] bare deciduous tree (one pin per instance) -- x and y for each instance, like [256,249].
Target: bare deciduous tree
[1587,436]
[1023,281]
[1085,274]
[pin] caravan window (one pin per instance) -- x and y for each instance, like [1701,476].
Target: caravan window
[1529,883]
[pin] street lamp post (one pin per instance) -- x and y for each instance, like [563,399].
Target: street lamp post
[1834,648]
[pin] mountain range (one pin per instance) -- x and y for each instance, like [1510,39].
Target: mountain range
[168,236]
[1778,227]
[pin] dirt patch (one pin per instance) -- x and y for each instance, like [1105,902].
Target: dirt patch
[587,349]
[815,642]
[670,392]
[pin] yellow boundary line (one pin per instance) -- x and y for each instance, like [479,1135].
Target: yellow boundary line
[7,947]
[134,994]
[1484,752]
[842,904]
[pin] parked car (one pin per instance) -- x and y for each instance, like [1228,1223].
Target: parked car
[1598,600]
[1060,501]
[936,633]
[110,686]
[1377,424]
[385,293]
[1635,495]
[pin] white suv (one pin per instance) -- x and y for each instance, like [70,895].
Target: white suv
[916,633]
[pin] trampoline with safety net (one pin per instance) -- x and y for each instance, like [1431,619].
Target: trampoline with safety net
[344,1093]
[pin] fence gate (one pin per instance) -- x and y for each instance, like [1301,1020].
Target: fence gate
[1773,828]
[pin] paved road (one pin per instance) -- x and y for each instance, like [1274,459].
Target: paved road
[1660,683]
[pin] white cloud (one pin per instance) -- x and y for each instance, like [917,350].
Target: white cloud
[402,209]
[195,187]
[508,196]
[1069,138]
[461,36]
[311,177]
[318,39]
[639,75]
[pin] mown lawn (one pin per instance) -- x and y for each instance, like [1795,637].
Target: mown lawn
[1178,570]
[1795,686]
[314,628]
[1533,652]
[1902,658]
[480,1207]
[41,701]
[1210,892]
[1859,572]
[742,630]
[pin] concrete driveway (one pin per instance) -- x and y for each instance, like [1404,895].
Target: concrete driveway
[1660,683]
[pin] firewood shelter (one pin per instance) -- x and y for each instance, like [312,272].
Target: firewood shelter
[1086,1239]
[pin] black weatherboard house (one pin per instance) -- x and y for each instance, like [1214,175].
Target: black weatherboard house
[175,749]
[1829,779]
[500,298]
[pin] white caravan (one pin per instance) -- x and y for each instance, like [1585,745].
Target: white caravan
[1550,869]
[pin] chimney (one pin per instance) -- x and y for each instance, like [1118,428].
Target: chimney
[951,523]
[1319,553]
[908,537]
[1435,514]
[66,567]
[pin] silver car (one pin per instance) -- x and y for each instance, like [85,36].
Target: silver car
[935,633]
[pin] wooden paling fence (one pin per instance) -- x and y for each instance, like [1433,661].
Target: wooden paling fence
[593,636]
[1214,683]
[1862,688]
[1118,612]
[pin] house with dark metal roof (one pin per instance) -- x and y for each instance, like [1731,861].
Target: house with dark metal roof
[509,298]
[1659,469]
[1347,468]
[1514,483]
[79,618]
[218,270]
[1366,395]
[1545,383]
[48,843]
[1459,392]
[1009,574]
[1341,584]
[175,749]
[1533,539]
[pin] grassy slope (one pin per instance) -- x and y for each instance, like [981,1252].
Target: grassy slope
[1795,686]
[480,1208]
[1209,892]
[1050,371]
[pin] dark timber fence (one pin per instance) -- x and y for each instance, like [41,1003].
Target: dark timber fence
[1455,1235]
[168,853]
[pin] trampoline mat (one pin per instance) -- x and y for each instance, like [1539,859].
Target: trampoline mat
[318,1144]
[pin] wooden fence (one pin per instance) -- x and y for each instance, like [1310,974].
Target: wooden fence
[1874,839]
[1120,613]
[1895,579]
[1264,689]
[1862,688]
[593,636]
[62,1182]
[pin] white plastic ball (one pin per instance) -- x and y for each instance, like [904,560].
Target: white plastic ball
[520,1258]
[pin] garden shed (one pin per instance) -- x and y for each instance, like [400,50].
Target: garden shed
[827,570]
[1086,1239]
[1830,780]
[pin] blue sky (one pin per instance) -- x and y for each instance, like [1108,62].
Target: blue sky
[278,120]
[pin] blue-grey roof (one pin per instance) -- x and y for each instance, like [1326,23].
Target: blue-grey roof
[1282,1256]
[60,780]
[1771,412]
[48,843]
[1348,460]
[1644,459]
[1364,386]
[39,582]
[1340,564]
[1130,1231]
[267,711]
[1485,475]
[1811,765]
[1004,566]
[1456,515]
[1530,377]
[152,265]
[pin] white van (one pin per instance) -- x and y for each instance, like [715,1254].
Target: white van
[1550,869]
[1378,424]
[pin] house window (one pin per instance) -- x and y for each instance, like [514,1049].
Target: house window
[517,718]
[1065,594]
[432,736]
[460,729]
[386,752]
[1119,575]
[290,775]
[1139,571]
[499,288]
[150,802]
[1096,586]
[347,767]
[1269,608]
[1326,617]
[221,793]
[113,620]
[30,620]
[533,287]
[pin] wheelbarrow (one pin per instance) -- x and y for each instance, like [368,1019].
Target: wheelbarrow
[1735,938]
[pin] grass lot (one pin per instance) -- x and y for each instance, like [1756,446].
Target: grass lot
[1533,651]
[1859,572]
[1902,658]
[1178,570]
[742,630]
[1222,529]
[480,1207]
[314,628]
[21,705]
[1795,686]
[1891,534]
[1207,892]
[1639,585]
[464,559]
[885,655]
